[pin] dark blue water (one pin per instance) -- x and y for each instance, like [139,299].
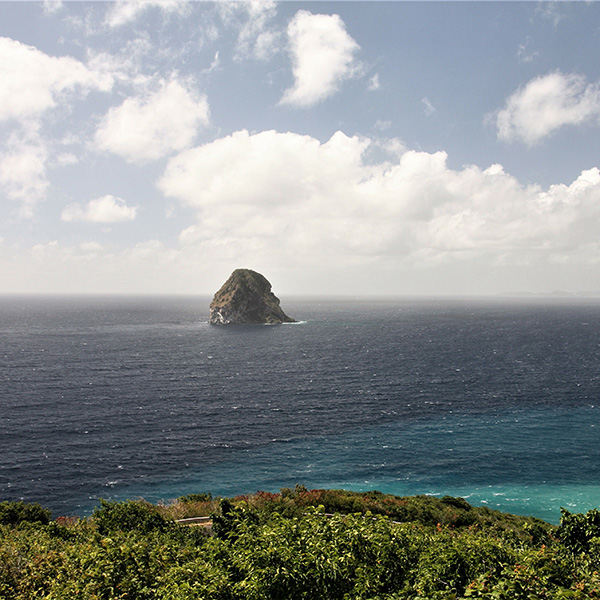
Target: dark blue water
[496,401]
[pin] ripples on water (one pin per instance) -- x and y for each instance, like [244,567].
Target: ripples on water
[117,397]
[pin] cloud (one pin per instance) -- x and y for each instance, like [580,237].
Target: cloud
[254,193]
[107,209]
[65,159]
[145,128]
[60,267]
[249,20]
[52,6]
[429,109]
[251,17]
[322,55]
[546,104]
[214,65]
[90,246]
[524,54]
[382,125]
[32,82]
[374,84]
[330,219]
[126,11]
[127,65]
[551,11]
[269,168]
[23,172]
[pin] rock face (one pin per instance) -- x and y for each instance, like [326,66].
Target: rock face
[246,299]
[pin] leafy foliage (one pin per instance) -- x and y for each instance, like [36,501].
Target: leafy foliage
[133,515]
[281,546]
[194,498]
[428,510]
[13,513]
[578,532]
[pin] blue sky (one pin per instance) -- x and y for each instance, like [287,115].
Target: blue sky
[354,148]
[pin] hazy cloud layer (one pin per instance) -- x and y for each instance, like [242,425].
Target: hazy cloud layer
[546,104]
[322,54]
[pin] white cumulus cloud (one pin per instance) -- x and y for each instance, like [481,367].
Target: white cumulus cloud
[546,104]
[323,56]
[310,199]
[106,209]
[23,172]
[32,82]
[148,127]
[269,168]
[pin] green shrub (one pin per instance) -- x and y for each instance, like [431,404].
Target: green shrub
[577,531]
[193,498]
[13,513]
[450,561]
[128,516]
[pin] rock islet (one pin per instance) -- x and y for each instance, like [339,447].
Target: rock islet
[246,299]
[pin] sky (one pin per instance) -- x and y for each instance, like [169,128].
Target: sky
[351,148]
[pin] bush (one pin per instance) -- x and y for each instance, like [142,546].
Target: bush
[193,498]
[450,561]
[232,519]
[577,531]
[13,513]
[133,515]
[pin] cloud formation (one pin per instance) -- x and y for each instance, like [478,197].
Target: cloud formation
[124,95]
[271,190]
[148,127]
[32,82]
[23,172]
[251,18]
[107,209]
[546,104]
[322,54]
[126,11]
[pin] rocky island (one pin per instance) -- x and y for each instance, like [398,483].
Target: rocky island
[246,299]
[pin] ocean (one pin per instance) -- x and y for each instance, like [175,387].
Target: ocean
[494,400]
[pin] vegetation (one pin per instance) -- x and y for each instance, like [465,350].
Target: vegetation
[298,544]
[12,513]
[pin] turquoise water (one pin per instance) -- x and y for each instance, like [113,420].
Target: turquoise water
[530,463]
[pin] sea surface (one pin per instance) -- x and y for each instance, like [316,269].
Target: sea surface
[497,401]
